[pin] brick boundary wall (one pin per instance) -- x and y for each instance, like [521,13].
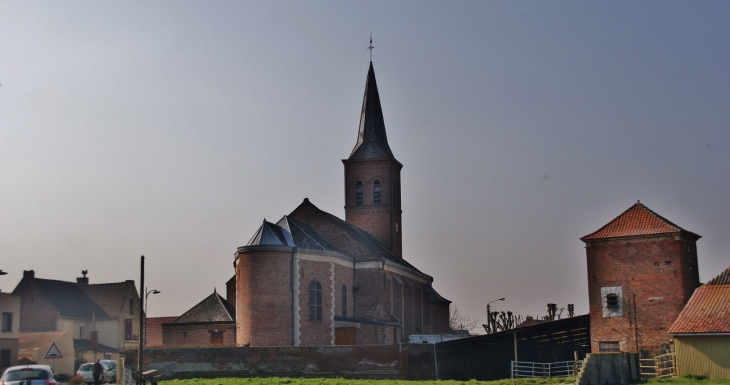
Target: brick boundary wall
[374,362]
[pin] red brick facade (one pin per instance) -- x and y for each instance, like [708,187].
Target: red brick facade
[199,336]
[382,220]
[37,313]
[651,278]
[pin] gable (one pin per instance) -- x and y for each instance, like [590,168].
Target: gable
[214,308]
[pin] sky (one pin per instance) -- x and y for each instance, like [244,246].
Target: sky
[171,129]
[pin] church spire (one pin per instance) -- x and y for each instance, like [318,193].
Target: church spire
[372,142]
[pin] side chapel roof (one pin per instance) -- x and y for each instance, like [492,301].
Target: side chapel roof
[213,308]
[636,221]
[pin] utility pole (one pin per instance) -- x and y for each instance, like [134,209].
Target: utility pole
[141,320]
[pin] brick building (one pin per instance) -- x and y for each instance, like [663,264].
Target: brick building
[642,270]
[210,323]
[313,279]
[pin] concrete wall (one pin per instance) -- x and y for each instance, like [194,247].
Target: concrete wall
[322,361]
[417,362]
[609,368]
[64,365]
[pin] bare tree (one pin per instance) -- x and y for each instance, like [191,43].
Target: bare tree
[459,320]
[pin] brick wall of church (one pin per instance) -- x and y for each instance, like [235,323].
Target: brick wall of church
[440,318]
[197,336]
[343,276]
[660,271]
[263,299]
[316,332]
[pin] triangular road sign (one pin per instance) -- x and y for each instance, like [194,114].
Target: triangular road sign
[53,352]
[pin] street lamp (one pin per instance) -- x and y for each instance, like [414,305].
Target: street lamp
[491,325]
[147,294]
[3,272]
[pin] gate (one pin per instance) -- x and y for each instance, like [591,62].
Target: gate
[523,369]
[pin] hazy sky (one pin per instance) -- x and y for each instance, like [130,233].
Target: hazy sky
[172,129]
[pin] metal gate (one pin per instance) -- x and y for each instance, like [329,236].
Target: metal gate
[523,369]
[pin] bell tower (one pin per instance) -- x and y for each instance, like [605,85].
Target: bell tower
[372,176]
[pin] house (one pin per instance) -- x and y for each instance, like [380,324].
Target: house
[642,270]
[702,331]
[210,323]
[9,332]
[101,319]
[312,278]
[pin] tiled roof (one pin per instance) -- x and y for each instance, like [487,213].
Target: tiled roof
[153,331]
[27,342]
[68,298]
[212,309]
[109,296]
[636,221]
[372,142]
[708,311]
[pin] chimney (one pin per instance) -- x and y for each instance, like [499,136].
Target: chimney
[83,280]
[94,337]
[29,274]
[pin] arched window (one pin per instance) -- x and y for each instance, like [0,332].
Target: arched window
[315,301]
[344,301]
[358,193]
[376,192]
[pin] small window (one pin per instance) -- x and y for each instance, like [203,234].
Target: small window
[612,300]
[216,338]
[609,347]
[7,322]
[315,301]
[344,301]
[5,360]
[81,332]
[376,192]
[358,193]
[667,263]
[185,334]
[656,263]
[128,330]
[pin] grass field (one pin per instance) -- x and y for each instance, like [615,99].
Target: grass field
[342,381]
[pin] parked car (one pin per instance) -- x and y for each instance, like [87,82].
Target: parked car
[28,375]
[111,365]
[85,370]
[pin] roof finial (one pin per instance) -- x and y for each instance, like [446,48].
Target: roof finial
[371,46]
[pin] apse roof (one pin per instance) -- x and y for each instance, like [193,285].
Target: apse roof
[372,141]
[636,221]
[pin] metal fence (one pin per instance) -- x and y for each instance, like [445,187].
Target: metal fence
[523,369]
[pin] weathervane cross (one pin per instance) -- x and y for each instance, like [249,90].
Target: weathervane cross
[371,46]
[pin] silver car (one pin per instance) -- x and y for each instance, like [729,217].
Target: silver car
[28,375]
[85,371]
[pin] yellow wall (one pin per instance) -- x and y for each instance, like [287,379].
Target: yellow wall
[10,304]
[707,356]
[63,365]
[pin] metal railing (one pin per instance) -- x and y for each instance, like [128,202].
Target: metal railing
[524,369]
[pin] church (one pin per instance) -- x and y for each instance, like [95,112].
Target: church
[313,279]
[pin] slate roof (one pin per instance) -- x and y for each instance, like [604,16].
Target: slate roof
[214,308]
[27,342]
[349,239]
[636,221]
[372,142]
[153,331]
[109,296]
[708,310]
[69,299]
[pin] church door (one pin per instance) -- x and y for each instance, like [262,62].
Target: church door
[345,336]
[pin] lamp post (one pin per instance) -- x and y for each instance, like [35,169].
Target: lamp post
[147,294]
[489,315]
[3,272]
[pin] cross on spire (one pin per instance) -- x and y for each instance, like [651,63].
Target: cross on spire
[371,46]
